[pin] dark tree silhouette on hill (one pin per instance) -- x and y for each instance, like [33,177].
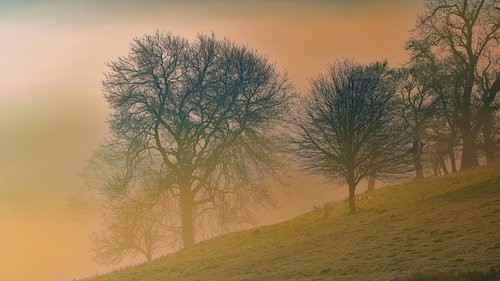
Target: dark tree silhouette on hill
[465,33]
[347,128]
[207,115]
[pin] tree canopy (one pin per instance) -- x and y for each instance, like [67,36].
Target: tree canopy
[346,128]
[205,114]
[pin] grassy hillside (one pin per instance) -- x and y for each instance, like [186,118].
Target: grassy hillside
[450,223]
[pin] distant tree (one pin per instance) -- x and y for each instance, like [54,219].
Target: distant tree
[465,33]
[445,83]
[206,113]
[415,102]
[348,129]
[138,222]
[131,229]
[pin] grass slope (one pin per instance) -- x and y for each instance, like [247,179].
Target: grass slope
[450,223]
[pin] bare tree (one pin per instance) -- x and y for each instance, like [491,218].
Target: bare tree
[414,105]
[131,229]
[207,113]
[465,32]
[136,221]
[490,132]
[347,128]
[445,84]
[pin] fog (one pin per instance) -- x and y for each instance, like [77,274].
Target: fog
[52,113]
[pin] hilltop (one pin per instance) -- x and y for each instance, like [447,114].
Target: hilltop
[449,223]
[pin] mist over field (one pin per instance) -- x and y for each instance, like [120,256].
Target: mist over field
[53,114]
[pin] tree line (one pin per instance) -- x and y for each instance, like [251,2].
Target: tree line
[199,128]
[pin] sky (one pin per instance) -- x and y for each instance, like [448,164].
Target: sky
[52,112]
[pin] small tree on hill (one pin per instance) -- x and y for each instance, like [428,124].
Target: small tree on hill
[347,128]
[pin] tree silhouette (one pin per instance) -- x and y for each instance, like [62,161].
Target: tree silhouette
[137,218]
[347,128]
[130,229]
[205,112]
[464,33]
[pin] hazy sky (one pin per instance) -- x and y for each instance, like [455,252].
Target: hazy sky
[52,113]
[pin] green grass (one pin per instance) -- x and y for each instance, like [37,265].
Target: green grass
[448,224]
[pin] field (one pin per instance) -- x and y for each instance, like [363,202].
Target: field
[445,224]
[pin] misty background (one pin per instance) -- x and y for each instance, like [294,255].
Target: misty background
[52,113]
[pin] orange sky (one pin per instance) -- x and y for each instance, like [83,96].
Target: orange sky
[52,113]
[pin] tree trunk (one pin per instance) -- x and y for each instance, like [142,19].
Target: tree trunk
[443,166]
[187,225]
[371,183]
[451,154]
[417,149]
[488,139]
[469,156]
[352,202]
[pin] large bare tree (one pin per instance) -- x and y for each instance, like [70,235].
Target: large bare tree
[207,113]
[465,32]
[347,128]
